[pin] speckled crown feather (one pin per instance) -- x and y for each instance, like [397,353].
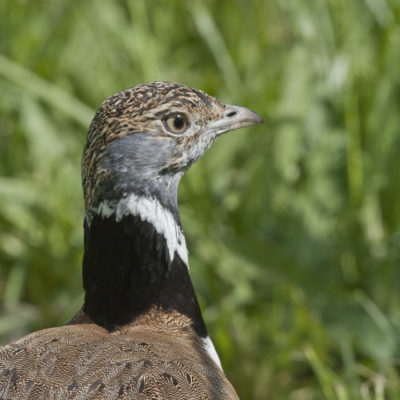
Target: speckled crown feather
[132,111]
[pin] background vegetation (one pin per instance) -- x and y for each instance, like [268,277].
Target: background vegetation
[293,227]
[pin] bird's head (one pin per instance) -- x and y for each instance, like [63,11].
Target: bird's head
[143,139]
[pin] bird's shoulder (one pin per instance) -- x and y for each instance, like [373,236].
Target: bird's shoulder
[86,361]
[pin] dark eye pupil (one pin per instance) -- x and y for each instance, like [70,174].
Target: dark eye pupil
[179,122]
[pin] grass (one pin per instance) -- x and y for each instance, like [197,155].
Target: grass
[293,227]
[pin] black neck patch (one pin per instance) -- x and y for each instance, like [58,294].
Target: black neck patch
[126,271]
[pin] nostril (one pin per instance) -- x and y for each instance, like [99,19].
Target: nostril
[231,114]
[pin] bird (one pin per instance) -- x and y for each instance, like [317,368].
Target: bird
[140,333]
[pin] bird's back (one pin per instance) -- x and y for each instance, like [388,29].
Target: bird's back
[84,361]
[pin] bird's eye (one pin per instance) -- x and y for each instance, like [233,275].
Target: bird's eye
[176,123]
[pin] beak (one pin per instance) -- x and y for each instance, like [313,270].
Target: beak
[235,117]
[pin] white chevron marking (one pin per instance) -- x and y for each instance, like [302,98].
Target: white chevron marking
[149,210]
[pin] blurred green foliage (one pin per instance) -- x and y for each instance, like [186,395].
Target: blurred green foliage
[293,227]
